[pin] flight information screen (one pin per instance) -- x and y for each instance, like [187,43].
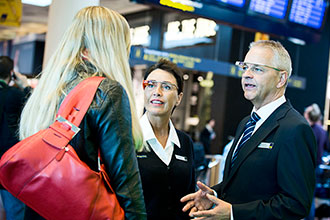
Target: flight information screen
[273,8]
[239,3]
[308,12]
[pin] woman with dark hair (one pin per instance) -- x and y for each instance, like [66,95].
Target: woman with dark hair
[166,163]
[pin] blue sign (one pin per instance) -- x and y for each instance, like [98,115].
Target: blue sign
[140,55]
[276,9]
[238,3]
[308,12]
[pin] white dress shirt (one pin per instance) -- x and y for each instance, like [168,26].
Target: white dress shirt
[165,154]
[264,112]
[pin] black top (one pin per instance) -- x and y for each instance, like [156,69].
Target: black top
[205,138]
[164,186]
[13,101]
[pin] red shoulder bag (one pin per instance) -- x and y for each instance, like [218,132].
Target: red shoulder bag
[45,172]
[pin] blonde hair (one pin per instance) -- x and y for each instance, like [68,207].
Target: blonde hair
[103,37]
[281,56]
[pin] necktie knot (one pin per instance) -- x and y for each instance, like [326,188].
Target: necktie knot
[254,118]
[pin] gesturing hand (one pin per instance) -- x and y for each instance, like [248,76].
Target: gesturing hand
[221,211]
[198,200]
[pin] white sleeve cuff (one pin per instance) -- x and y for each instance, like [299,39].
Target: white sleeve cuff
[215,193]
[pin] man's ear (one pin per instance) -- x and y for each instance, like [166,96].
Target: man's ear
[283,79]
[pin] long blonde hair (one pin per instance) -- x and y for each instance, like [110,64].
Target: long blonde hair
[103,37]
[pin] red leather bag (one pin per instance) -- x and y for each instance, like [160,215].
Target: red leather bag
[45,172]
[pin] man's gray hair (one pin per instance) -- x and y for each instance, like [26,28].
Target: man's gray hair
[281,59]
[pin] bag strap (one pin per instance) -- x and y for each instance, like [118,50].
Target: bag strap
[77,102]
[73,110]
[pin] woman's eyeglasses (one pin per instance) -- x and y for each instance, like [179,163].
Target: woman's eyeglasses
[152,84]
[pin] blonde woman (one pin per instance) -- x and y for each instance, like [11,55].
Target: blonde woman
[96,44]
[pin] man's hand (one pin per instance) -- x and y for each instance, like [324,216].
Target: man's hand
[198,200]
[221,211]
[20,80]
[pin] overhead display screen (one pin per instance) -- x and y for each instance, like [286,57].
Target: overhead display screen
[308,12]
[301,19]
[271,8]
[239,3]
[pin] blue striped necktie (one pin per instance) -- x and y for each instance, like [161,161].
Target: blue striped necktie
[249,127]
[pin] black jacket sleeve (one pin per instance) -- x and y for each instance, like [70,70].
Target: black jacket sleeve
[114,132]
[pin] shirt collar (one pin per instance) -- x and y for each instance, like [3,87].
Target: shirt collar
[148,133]
[173,136]
[265,111]
[3,83]
[209,128]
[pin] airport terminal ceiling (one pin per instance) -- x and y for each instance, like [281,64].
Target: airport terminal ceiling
[292,19]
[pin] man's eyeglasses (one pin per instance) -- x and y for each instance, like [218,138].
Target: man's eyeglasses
[255,68]
[152,84]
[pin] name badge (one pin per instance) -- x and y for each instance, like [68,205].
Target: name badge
[141,156]
[179,157]
[266,145]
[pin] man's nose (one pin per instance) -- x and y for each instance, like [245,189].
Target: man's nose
[247,73]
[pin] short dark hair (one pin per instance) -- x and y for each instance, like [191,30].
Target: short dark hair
[6,66]
[315,114]
[208,121]
[169,67]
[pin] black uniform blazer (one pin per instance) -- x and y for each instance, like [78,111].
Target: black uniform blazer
[163,185]
[277,182]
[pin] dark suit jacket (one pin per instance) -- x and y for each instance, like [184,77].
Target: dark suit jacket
[14,101]
[163,186]
[205,138]
[276,183]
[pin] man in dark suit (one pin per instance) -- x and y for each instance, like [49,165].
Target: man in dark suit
[207,135]
[269,171]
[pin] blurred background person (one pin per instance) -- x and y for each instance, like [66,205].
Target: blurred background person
[96,44]
[313,115]
[207,135]
[12,100]
[166,164]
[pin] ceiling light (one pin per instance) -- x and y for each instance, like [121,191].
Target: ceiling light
[297,41]
[41,3]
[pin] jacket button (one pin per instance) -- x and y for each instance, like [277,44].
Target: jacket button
[223,195]
[168,168]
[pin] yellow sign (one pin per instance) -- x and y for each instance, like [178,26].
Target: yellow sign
[10,12]
[177,5]
[260,36]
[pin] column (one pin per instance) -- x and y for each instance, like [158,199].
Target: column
[61,13]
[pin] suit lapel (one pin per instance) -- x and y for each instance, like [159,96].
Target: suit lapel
[239,132]
[263,131]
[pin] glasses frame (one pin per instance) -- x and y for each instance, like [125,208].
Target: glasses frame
[146,82]
[241,63]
